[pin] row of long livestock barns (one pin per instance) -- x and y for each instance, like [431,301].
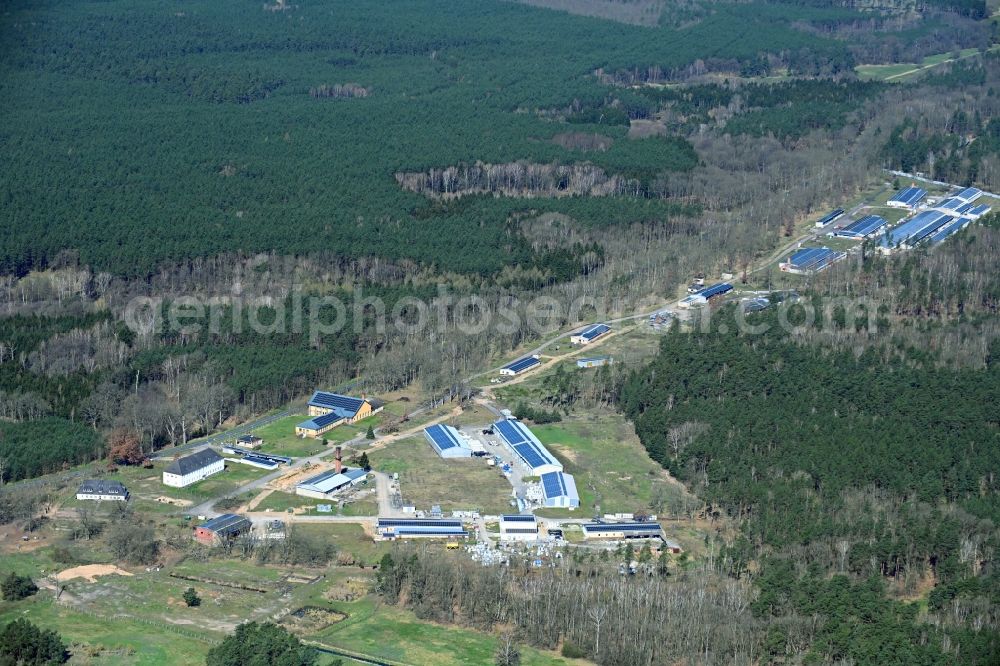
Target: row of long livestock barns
[930,220]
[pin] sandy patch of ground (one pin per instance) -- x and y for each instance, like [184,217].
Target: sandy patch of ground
[567,453]
[90,572]
[173,501]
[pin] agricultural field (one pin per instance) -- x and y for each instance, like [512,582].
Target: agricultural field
[392,633]
[613,472]
[425,479]
[904,70]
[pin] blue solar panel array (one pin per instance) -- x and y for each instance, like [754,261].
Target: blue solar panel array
[715,290]
[595,331]
[622,527]
[968,194]
[532,455]
[442,437]
[916,229]
[977,211]
[862,228]
[522,364]
[321,421]
[430,531]
[418,522]
[333,400]
[553,484]
[517,518]
[947,230]
[830,217]
[909,196]
[266,462]
[524,444]
[814,259]
[952,204]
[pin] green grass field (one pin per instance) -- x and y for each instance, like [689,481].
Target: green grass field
[425,479]
[905,70]
[613,472]
[395,634]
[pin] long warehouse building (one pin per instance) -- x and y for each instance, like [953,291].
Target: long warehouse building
[862,228]
[527,447]
[811,260]
[427,528]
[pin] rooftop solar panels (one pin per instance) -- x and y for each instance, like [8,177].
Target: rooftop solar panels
[258,461]
[916,229]
[321,421]
[830,217]
[627,529]
[447,441]
[523,442]
[968,194]
[947,230]
[559,490]
[593,332]
[332,400]
[227,523]
[908,197]
[952,204]
[715,290]
[521,364]
[430,531]
[517,518]
[862,228]
[812,260]
[978,211]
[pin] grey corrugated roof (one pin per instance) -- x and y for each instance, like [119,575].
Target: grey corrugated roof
[193,462]
[102,487]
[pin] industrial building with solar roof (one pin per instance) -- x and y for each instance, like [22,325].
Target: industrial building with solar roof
[862,228]
[520,365]
[705,295]
[447,442]
[329,410]
[527,447]
[811,260]
[589,334]
[223,528]
[518,527]
[426,528]
[559,490]
[618,531]
[908,197]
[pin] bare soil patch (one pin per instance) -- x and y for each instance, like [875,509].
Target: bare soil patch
[90,572]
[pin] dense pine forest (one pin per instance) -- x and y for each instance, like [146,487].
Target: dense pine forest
[878,473]
[341,149]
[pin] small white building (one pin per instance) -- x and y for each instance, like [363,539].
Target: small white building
[589,334]
[518,527]
[193,468]
[100,490]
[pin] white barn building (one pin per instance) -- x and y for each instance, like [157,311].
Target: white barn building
[193,468]
[518,527]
